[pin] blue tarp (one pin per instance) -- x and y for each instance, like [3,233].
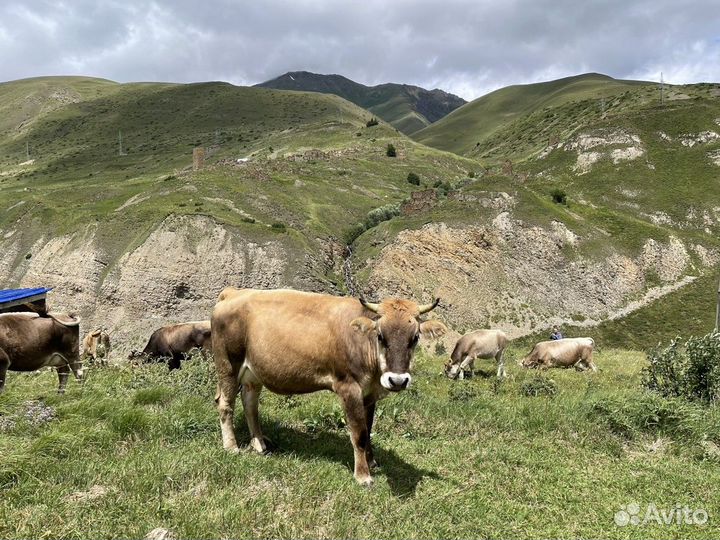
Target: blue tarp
[13,295]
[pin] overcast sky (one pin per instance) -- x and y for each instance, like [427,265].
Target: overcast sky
[468,47]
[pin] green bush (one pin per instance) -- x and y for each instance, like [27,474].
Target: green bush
[440,349]
[372,122]
[277,226]
[413,179]
[539,386]
[391,152]
[558,196]
[690,370]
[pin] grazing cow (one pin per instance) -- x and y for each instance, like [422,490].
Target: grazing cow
[477,344]
[96,345]
[297,342]
[175,341]
[565,353]
[29,342]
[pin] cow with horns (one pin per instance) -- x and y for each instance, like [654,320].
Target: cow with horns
[296,342]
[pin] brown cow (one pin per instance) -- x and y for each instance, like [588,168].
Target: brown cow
[175,341]
[477,344]
[565,353]
[297,342]
[29,342]
[96,345]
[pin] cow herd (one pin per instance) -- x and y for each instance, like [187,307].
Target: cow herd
[291,342]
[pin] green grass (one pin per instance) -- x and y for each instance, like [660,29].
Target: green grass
[465,459]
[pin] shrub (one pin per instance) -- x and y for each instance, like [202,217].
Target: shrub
[372,122]
[374,217]
[539,386]
[471,174]
[690,370]
[248,220]
[413,179]
[558,196]
[383,213]
[277,226]
[440,349]
[391,152]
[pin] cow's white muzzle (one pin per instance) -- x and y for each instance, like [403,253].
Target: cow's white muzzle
[395,381]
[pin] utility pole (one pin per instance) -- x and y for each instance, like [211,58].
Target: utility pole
[717,313]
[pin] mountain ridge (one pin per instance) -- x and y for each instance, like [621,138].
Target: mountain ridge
[406,107]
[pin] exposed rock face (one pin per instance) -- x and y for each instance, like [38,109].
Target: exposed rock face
[618,145]
[175,275]
[516,276]
[691,139]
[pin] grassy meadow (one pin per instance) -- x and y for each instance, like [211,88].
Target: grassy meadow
[551,454]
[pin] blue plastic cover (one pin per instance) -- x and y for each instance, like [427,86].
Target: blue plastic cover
[11,295]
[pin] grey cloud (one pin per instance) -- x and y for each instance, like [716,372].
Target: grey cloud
[465,46]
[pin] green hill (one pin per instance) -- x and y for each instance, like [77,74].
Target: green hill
[296,191]
[478,121]
[408,108]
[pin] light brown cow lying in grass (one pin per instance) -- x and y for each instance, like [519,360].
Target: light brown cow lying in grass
[296,342]
[565,353]
[477,344]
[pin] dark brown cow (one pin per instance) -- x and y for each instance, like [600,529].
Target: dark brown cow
[96,346]
[175,341]
[29,342]
[296,342]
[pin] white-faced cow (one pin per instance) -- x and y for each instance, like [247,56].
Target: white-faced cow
[565,353]
[29,342]
[174,342]
[296,342]
[96,347]
[477,344]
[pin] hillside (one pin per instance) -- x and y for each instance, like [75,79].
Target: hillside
[407,108]
[131,238]
[472,125]
[640,222]
[296,191]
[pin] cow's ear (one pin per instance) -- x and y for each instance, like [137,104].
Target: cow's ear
[432,329]
[364,325]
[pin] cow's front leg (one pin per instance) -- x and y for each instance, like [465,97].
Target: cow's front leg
[63,374]
[369,419]
[351,396]
[501,364]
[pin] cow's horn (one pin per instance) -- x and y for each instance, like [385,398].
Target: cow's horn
[370,305]
[428,307]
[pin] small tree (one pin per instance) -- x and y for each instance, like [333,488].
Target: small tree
[372,122]
[413,179]
[391,152]
[558,196]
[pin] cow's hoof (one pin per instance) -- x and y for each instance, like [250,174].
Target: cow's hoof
[232,449]
[364,481]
